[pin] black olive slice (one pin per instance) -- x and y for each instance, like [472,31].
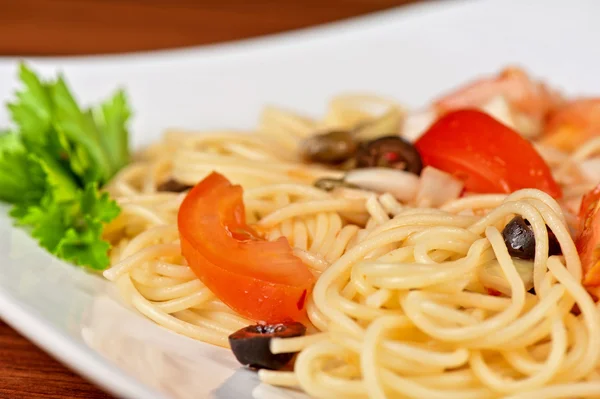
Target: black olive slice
[328,148]
[173,186]
[520,240]
[553,245]
[251,345]
[389,152]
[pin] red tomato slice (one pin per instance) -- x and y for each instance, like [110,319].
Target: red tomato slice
[588,238]
[261,280]
[487,155]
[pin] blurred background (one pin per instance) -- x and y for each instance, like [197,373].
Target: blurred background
[75,27]
[83,27]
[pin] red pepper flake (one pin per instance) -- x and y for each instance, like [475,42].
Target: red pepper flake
[391,156]
[493,292]
[301,301]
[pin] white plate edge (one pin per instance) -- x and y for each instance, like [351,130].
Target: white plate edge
[73,355]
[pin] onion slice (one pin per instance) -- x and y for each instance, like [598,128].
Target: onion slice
[402,185]
[437,187]
[416,123]
[498,108]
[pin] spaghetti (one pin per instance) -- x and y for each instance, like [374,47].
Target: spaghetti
[398,309]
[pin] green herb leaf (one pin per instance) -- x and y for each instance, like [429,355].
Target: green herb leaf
[22,179]
[32,110]
[72,229]
[54,162]
[82,243]
[112,118]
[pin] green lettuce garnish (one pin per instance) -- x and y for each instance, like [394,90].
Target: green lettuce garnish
[53,163]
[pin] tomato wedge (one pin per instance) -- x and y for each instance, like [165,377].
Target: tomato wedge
[487,155]
[588,237]
[261,280]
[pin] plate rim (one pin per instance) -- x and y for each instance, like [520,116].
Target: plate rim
[81,360]
[87,362]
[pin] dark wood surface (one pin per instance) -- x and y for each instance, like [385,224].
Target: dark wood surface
[68,27]
[27,372]
[51,27]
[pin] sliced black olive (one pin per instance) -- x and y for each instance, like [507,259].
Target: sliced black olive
[329,184]
[330,148]
[520,240]
[173,186]
[389,152]
[553,245]
[251,345]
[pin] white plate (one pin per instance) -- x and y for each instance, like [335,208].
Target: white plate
[411,54]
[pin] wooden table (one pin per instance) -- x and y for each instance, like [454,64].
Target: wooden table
[67,27]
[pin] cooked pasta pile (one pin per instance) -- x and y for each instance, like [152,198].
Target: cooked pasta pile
[399,309]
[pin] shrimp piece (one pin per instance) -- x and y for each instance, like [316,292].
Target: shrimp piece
[529,100]
[569,126]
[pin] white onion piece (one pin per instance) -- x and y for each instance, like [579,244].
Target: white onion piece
[402,185]
[492,276]
[499,109]
[415,124]
[527,126]
[437,187]
[590,168]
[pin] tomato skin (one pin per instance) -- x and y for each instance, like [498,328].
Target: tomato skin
[588,237]
[260,280]
[487,155]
